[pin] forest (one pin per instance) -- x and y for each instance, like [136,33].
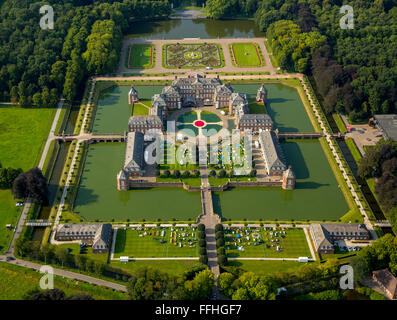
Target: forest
[38,66]
[354,70]
[380,162]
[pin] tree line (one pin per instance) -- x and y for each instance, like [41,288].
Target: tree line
[143,284]
[380,163]
[37,66]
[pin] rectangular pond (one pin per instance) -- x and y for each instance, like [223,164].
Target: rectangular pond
[98,197]
[113,110]
[317,195]
[284,106]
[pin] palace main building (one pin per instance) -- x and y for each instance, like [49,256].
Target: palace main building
[198,91]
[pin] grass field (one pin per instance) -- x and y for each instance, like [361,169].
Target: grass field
[23,132]
[255,107]
[156,242]
[17,281]
[209,116]
[140,110]
[140,56]
[173,267]
[246,55]
[293,243]
[187,117]
[353,149]
[339,122]
[265,267]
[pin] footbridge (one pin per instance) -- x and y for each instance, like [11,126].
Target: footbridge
[38,223]
[91,138]
[305,135]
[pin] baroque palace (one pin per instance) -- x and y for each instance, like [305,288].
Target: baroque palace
[199,91]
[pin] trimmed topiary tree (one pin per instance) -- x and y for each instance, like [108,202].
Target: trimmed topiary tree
[219,227]
[201,227]
[219,235]
[201,234]
[221,251]
[222,260]
[202,243]
[220,243]
[202,251]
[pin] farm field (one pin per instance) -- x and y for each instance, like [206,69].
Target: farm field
[260,243]
[98,197]
[140,56]
[246,55]
[156,242]
[17,281]
[23,132]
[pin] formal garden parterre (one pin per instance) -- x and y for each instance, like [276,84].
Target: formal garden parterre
[189,56]
[246,55]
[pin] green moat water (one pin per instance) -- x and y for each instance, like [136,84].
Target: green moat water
[317,195]
[284,106]
[199,28]
[98,197]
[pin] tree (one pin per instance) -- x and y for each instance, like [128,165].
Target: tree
[201,286]
[31,183]
[225,282]
[360,269]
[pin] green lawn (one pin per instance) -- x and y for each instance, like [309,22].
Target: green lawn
[246,55]
[75,250]
[140,56]
[187,117]
[17,281]
[255,107]
[293,245]
[353,149]
[339,122]
[173,267]
[156,242]
[8,215]
[265,267]
[140,110]
[209,116]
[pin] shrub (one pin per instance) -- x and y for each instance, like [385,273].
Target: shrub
[201,227]
[222,173]
[219,235]
[201,234]
[202,243]
[202,251]
[220,243]
[219,227]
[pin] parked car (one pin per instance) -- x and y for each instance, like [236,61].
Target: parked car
[19,204]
